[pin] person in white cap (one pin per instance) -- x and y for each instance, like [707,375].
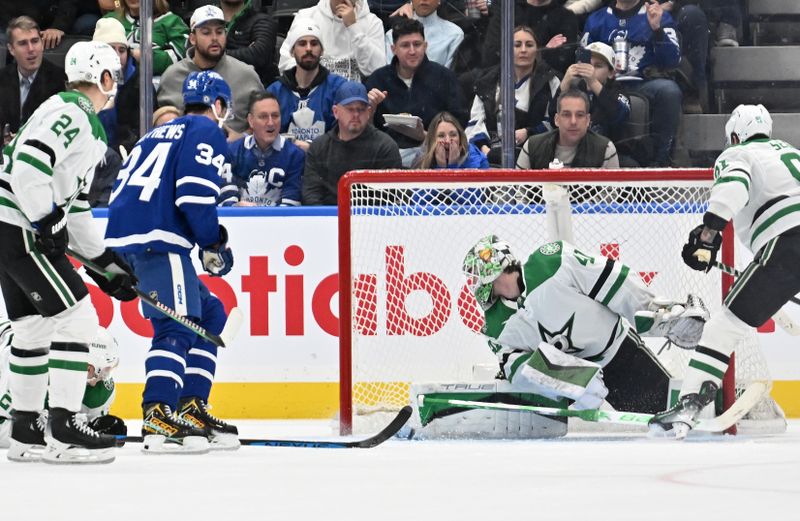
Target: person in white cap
[208,40]
[352,35]
[168,32]
[306,91]
[595,75]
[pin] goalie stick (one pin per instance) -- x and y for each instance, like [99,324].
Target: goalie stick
[366,443]
[748,399]
[224,339]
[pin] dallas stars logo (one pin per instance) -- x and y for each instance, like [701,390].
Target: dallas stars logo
[562,338]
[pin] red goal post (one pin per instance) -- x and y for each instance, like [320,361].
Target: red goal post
[425,218]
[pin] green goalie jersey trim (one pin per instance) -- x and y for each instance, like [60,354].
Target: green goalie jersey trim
[85,104]
[495,319]
[98,395]
[539,267]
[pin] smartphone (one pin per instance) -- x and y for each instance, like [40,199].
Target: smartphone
[583,55]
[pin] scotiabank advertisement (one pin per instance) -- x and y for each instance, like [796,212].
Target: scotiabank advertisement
[285,280]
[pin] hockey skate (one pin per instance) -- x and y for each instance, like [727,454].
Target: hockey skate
[27,436]
[221,435]
[71,440]
[681,417]
[165,432]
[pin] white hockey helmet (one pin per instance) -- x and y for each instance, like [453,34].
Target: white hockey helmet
[482,265]
[747,121]
[86,61]
[103,353]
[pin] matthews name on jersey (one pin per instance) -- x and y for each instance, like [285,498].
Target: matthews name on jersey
[757,183]
[572,301]
[39,174]
[165,197]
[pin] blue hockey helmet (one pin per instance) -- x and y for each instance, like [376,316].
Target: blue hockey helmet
[206,87]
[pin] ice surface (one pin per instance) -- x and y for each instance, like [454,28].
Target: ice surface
[581,477]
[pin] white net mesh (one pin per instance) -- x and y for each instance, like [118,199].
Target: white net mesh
[413,319]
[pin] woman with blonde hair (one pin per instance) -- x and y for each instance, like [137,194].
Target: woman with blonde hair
[446,146]
[169,32]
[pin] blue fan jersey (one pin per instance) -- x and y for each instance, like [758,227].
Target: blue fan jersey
[165,196]
[270,178]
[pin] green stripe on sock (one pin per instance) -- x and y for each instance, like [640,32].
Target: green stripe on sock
[700,366]
[69,365]
[29,370]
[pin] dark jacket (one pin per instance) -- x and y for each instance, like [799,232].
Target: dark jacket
[329,158]
[609,109]
[434,89]
[47,13]
[591,151]
[541,102]
[251,39]
[49,80]
[546,22]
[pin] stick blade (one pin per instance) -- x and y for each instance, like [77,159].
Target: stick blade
[232,326]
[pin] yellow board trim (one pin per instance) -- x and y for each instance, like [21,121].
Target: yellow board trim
[320,400]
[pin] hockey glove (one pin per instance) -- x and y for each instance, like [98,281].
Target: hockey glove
[695,244]
[217,259]
[109,424]
[118,279]
[53,238]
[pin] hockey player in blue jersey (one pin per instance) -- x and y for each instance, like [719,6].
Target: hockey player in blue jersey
[266,168]
[162,205]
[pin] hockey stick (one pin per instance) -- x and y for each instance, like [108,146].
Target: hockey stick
[224,339]
[749,398]
[367,443]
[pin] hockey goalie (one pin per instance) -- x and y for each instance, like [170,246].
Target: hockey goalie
[565,326]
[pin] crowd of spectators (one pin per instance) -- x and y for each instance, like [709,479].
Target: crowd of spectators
[385,84]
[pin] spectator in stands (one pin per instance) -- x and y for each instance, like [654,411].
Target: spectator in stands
[185,8]
[87,14]
[24,87]
[536,89]
[583,7]
[413,84]
[352,144]
[57,16]
[653,51]
[168,32]
[610,107]
[207,37]
[266,167]
[165,114]
[727,16]
[251,37]
[555,26]
[692,25]
[120,117]
[572,143]
[385,9]
[353,38]
[443,37]
[446,146]
[306,91]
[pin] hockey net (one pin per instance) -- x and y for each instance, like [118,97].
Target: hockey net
[406,315]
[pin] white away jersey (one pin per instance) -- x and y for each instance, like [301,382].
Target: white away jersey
[757,184]
[51,162]
[581,304]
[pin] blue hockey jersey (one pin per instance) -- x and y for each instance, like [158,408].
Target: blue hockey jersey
[273,177]
[647,47]
[165,196]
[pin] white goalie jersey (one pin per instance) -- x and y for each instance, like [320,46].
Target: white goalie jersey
[581,304]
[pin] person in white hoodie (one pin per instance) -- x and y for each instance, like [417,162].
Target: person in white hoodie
[353,38]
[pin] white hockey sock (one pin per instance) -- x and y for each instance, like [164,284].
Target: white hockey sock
[68,366]
[28,378]
[706,365]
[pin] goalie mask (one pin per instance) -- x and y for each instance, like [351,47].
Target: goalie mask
[483,264]
[747,121]
[103,356]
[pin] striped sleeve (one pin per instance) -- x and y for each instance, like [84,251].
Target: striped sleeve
[732,184]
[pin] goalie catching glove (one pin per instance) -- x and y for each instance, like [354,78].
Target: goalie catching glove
[680,322]
[118,279]
[217,259]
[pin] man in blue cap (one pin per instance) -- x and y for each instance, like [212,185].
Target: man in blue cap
[352,144]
